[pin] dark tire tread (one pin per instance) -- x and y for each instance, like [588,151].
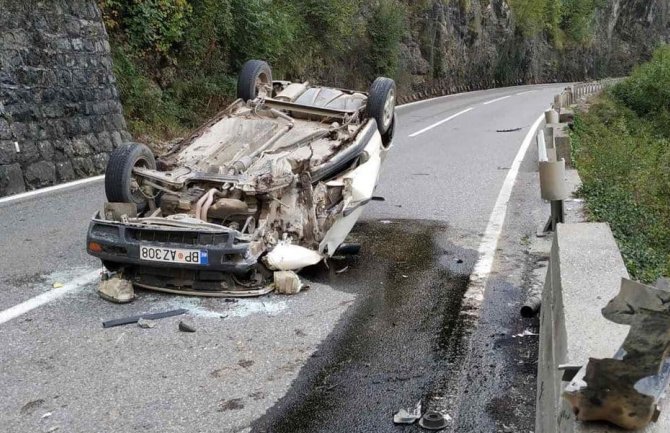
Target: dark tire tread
[377,95]
[246,82]
[119,170]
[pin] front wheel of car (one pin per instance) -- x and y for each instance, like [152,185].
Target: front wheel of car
[381,103]
[255,80]
[121,184]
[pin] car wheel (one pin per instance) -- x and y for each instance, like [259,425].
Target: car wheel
[381,103]
[255,80]
[121,185]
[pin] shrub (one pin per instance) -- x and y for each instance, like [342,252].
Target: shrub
[647,90]
[386,27]
[625,169]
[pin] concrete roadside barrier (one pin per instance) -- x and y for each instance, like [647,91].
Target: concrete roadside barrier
[584,274]
[585,271]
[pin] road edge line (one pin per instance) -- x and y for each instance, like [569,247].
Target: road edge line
[54,188]
[497,99]
[474,295]
[46,297]
[435,125]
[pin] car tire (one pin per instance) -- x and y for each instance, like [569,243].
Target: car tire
[119,174]
[254,74]
[381,103]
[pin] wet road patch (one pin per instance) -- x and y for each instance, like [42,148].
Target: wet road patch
[397,342]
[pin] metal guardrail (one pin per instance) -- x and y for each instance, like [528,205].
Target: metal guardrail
[572,94]
[551,156]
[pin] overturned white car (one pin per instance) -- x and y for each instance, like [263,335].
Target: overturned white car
[274,182]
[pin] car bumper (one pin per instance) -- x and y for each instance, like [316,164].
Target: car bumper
[119,243]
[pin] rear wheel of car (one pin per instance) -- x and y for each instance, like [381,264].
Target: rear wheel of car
[381,103]
[121,185]
[255,80]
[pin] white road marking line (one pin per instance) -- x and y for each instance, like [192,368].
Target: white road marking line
[440,122]
[487,249]
[23,195]
[46,297]
[496,100]
[527,92]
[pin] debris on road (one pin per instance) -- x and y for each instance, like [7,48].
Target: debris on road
[57,285]
[148,316]
[289,257]
[47,415]
[343,270]
[525,333]
[509,130]
[185,326]
[625,390]
[146,323]
[287,282]
[408,416]
[115,289]
[433,421]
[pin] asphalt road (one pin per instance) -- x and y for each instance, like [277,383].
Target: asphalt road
[342,356]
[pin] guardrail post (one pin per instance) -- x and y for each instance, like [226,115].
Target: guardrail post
[551,116]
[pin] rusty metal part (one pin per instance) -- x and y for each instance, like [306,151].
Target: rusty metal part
[625,389]
[250,293]
[202,201]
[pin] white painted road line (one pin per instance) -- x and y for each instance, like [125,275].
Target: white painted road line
[527,92]
[45,298]
[497,99]
[24,195]
[434,125]
[487,249]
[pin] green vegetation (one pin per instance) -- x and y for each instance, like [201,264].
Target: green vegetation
[566,22]
[622,150]
[176,61]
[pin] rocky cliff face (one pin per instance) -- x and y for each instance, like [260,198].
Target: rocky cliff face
[60,114]
[454,48]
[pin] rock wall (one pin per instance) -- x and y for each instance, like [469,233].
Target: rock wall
[453,48]
[60,114]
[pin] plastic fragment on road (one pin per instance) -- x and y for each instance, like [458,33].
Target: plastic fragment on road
[525,333]
[146,323]
[116,289]
[287,283]
[185,326]
[408,416]
[57,285]
[433,421]
[149,316]
[343,270]
[289,257]
[625,390]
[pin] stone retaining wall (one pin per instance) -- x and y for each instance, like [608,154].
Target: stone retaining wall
[60,114]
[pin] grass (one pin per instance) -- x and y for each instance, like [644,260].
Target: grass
[624,163]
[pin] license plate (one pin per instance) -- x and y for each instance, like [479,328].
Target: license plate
[173,255]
